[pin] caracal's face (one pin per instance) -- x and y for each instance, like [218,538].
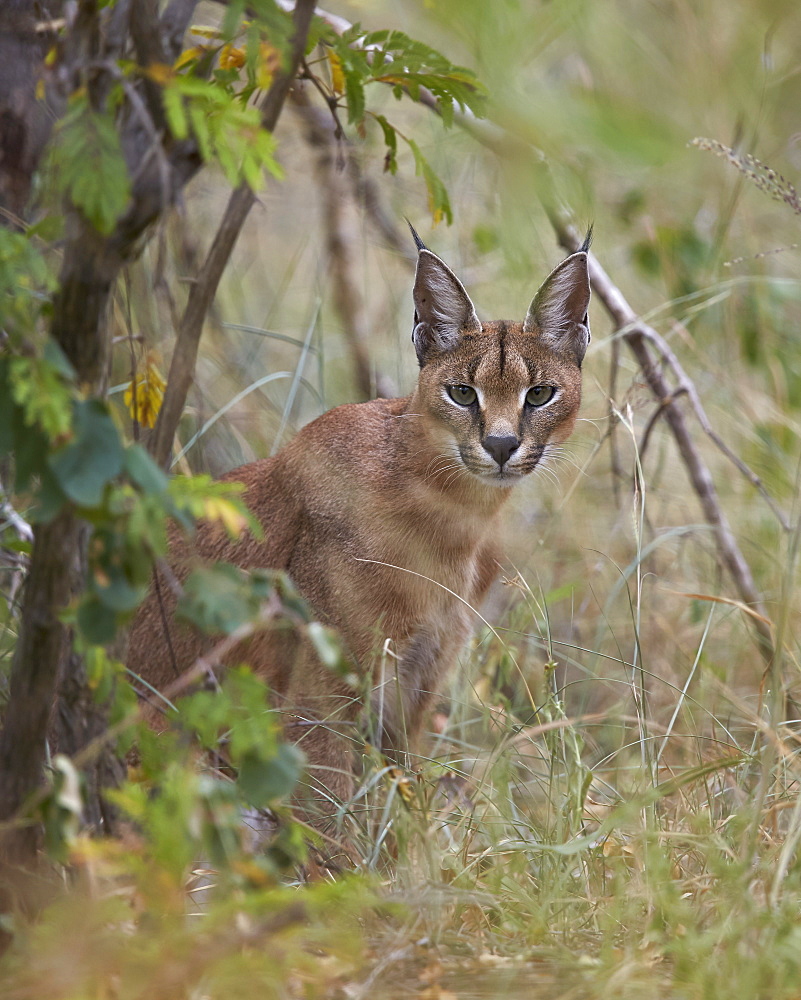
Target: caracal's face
[501,401]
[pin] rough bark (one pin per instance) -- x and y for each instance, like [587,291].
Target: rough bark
[42,645]
[44,663]
[44,666]
[25,122]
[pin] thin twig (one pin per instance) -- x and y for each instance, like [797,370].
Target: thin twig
[616,470]
[202,292]
[336,194]
[637,336]
[686,385]
[15,519]
[653,420]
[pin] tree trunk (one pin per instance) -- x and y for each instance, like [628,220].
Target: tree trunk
[41,647]
[25,122]
[44,668]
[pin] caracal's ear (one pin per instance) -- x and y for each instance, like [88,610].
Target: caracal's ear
[559,309]
[442,308]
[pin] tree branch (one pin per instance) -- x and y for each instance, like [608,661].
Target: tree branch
[146,35]
[333,183]
[204,288]
[41,646]
[637,335]
[174,23]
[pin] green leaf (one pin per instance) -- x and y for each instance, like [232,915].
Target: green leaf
[227,132]
[194,496]
[354,94]
[143,471]
[177,119]
[391,140]
[263,781]
[438,200]
[50,499]
[57,359]
[231,18]
[89,165]
[291,599]
[96,621]
[25,284]
[31,450]
[92,459]
[218,599]
[328,647]
[119,593]
[38,387]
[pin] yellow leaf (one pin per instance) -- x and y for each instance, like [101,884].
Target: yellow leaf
[394,80]
[269,62]
[144,400]
[232,57]
[403,783]
[437,215]
[337,76]
[40,89]
[188,56]
[219,509]
[159,73]
[205,31]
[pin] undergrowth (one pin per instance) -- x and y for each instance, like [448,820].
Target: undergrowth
[532,851]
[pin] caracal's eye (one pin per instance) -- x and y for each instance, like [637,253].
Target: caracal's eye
[464,395]
[539,395]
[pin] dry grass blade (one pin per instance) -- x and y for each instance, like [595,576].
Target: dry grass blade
[723,600]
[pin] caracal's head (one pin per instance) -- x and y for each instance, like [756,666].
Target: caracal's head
[499,396]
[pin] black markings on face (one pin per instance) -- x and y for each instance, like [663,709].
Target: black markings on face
[502,347]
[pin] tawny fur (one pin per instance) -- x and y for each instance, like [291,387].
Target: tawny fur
[385,515]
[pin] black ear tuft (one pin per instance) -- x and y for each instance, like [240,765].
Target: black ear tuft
[417,241]
[585,246]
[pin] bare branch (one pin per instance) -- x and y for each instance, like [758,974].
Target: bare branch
[201,295]
[149,51]
[637,335]
[174,23]
[330,166]
[685,384]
